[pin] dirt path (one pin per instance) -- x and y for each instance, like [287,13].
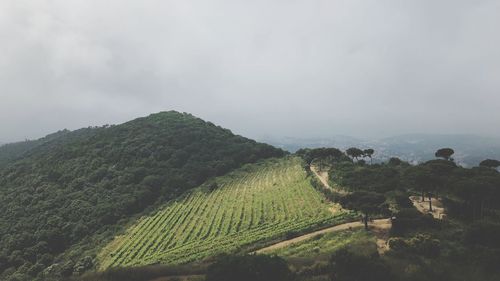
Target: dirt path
[323,177]
[438,211]
[378,226]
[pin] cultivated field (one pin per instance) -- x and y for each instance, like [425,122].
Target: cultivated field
[257,203]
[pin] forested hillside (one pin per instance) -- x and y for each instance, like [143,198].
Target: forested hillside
[62,191]
[13,151]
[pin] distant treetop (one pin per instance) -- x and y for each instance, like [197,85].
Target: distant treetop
[445,153]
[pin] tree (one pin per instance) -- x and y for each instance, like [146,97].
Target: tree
[445,153]
[478,191]
[440,171]
[323,153]
[365,202]
[419,177]
[369,153]
[490,163]
[394,161]
[354,153]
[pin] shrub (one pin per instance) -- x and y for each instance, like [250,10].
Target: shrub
[249,268]
[420,244]
[347,266]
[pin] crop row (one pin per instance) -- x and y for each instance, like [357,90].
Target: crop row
[257,203]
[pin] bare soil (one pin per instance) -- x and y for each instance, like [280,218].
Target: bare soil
[323,177]
[438,211]
[379,227]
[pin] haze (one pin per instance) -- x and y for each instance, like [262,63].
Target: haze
[366,68]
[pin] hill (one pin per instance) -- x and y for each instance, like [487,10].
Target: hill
[63,191]
[256,203]
[470,150]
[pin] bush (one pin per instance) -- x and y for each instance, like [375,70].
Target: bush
[249,268]
[420,244]
[408,219]
[483,234]
[347,266]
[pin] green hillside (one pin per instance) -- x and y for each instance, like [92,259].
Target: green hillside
[13,151]
[254,204]
[64,191]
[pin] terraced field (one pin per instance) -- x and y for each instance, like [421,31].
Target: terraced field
[257,203]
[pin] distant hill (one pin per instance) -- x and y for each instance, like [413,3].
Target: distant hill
[469,149]
[414,148]
[62,191]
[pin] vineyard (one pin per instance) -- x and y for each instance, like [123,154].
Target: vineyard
[256,203]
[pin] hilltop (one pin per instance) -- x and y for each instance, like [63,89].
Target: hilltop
[61,193]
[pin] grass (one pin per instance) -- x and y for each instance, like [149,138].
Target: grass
[358,240]
[257,203]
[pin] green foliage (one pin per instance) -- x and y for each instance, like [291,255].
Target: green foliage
[249,268]
[367,203]
[409,219]
[484,234]
[14,151]
[420,244]
[324,245]
[256,203]
[375,178]
[347,266]
[445,153]
[155,272]
[354,152]
[329,154]
[490,163]
[65,189]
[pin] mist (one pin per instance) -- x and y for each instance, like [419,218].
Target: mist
[260,68]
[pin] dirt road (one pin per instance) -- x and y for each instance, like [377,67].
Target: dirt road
[377,224]
[323,177]
[380,228]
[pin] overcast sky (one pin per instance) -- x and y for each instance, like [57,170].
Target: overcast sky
[368,68]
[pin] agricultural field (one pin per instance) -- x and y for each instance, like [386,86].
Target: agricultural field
[257,203]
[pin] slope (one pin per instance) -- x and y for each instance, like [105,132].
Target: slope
[73,187]
[13,151]
[257,203]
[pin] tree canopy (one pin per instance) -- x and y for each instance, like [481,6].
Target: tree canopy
[445,153]
[490,163]
[366,202]
[354,153]
[63,191]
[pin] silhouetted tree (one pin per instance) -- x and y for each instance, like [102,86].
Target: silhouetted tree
[365,202]
[490,163]
[369,153]
[445,153]
[354,153]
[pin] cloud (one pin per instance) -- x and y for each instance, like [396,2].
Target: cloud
[363,68]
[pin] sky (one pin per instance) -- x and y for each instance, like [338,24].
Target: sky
[268,68]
